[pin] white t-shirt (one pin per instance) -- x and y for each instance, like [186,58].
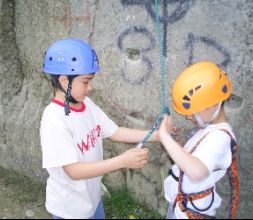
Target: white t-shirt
[67,140]
[215,152]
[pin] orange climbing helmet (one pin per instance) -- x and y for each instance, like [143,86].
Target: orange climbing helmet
[200,86]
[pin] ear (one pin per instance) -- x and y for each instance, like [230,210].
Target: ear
[63,80]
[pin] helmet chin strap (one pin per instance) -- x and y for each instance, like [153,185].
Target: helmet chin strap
[203,124]
[200,121]
[68,98]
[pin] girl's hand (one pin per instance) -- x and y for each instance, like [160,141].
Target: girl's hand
[166,128]
[135,158]
[173,131]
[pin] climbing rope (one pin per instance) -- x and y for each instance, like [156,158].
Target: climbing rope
[164,108]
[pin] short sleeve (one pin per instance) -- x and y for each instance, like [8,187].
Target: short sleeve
[214,151]
[57,143]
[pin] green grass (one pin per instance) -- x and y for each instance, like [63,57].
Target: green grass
[121,205]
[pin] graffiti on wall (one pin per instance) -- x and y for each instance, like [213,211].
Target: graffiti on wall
[180,9]
[151,44]
[194,39]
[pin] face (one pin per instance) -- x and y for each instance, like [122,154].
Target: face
[82,86]
[205,115]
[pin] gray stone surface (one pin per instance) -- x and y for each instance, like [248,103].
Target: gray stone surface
[128,87]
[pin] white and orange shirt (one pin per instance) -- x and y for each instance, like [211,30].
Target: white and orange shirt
[214,151]
[70,139]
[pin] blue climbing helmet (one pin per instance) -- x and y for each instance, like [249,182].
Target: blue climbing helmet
[70,57]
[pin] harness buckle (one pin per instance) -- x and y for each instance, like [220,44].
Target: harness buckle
[182,203]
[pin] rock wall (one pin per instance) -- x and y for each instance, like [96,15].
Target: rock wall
[123,32]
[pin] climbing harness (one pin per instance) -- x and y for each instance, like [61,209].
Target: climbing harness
[165,109]
[182,198]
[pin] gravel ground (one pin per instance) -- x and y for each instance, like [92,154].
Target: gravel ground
[21,198]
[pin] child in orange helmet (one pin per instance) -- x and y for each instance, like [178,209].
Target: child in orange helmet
[199,94]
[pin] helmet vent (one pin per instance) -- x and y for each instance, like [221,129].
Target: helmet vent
[186,98]
[74,59]
[224,89]
[73,70]
[186,105]
[190,92]
[50,58]
[197,88]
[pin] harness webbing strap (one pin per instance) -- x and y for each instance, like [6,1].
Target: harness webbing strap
[173,175]
[232,173]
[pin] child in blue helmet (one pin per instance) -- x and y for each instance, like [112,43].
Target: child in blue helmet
[72,130]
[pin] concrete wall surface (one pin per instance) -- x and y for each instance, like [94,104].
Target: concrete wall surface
[123,33]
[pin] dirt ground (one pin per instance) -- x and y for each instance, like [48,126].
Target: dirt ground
[21,198]
[12,209]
